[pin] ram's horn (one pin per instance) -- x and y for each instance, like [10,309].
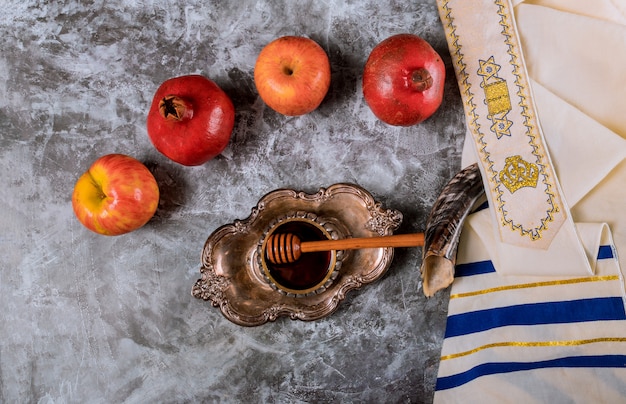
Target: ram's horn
[443,228]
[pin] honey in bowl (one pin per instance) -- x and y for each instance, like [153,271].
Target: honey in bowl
[312,270]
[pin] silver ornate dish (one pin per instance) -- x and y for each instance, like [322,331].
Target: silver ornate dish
[235,275]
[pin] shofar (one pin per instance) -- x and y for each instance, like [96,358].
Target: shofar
[443,228]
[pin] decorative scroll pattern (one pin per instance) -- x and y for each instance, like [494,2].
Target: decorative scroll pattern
[496,96]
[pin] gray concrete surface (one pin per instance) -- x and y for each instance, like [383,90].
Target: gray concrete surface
[92,319]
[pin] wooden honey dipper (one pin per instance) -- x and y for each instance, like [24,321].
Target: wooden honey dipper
[286,248]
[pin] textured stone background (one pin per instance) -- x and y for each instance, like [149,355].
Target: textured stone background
[92,319]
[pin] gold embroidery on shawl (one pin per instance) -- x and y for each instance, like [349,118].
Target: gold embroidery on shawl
[496,97]
[495,100]
[537,284]
[518,173]
[533,344]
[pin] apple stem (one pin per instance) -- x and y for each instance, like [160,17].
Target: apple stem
[174,108]
[421,80]
[98,186]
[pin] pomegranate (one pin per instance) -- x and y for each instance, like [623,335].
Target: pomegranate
[403,80]
[191,119]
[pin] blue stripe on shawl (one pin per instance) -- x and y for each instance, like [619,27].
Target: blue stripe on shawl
[595,361]
[474,268]
[605,252]
[485,267]
[572,311]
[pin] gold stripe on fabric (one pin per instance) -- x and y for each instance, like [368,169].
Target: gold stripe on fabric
[534,344]
[537,284]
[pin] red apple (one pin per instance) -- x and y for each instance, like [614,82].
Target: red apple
[191,119]
[403,80]
[117,195]
[292,75]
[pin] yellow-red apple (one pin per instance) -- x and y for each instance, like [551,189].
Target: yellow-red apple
[116,195]
[292,75]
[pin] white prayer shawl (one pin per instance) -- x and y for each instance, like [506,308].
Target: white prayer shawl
[554,338]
